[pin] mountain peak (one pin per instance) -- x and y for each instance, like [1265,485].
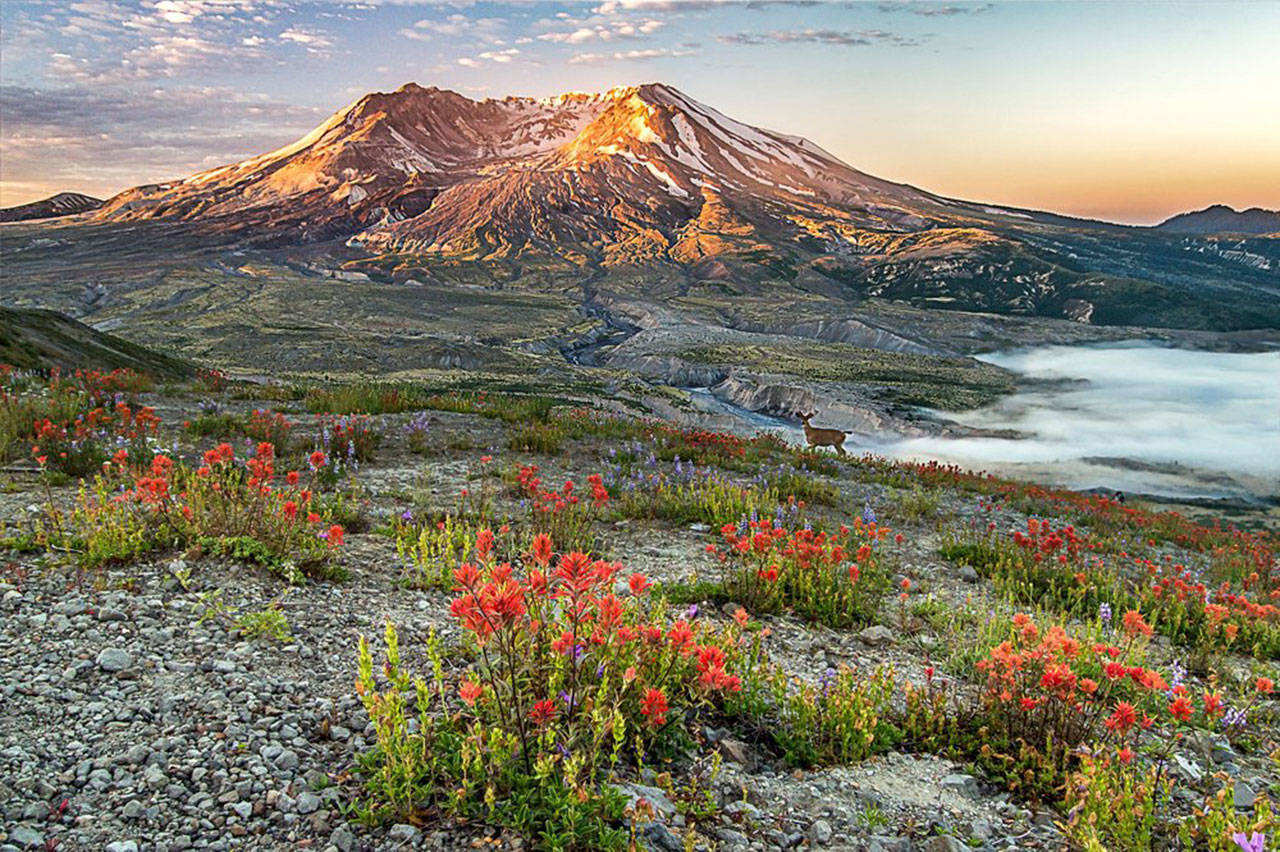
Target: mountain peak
[1220,218]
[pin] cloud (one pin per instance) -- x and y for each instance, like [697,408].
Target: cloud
[313,40]
[107,138]
[485,30]
[106,42]
[930,10]
[627,56]
[605,31]
[843,38]
[502,56]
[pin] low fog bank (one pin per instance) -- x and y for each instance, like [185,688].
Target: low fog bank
[1131,417]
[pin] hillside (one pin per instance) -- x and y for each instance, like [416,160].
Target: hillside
[32,339]
[62,204]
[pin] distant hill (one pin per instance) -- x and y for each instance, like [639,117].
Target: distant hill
[39,339]
[1221,219]
[62,204]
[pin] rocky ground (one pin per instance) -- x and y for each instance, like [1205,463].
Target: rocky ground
[134,716]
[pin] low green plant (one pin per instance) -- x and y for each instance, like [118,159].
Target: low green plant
[544,438]
[269,623]
[844,719]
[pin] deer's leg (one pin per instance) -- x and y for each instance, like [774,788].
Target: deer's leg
[840,447]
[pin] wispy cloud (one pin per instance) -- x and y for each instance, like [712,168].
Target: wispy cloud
[638,55]
[932,10]
[843,38]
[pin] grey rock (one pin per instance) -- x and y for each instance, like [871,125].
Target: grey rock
[403,833]
[133,809]
[26,837]
[820,832]
[663,808]
[1244,795]
[876,635]
[122,846]
[243,809]
[308,802]
[114,659]
[961,783]
[286,760]
[343,838]
[658,837]
[944,843]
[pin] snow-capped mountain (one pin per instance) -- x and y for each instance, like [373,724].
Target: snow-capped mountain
[587,186]
[429,169]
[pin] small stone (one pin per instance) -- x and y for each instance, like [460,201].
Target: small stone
[736,751]
[657,836]
[876,635]
[25,837]
[746,810]
[114,659]
[344,838]
[1244,795]
[122,846]
[243,809]
[820,832]
[286,760]
[965,784]
[133,809]
[308,802]
[403,833]
[663,808]
[944,843]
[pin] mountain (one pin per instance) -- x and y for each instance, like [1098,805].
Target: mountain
[1221,219]
[646,191]
[62,204]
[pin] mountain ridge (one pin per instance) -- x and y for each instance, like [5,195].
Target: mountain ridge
[1220,218]
[61,204]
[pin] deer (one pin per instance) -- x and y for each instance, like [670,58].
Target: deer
[822,437]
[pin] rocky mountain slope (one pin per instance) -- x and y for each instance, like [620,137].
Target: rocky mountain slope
[1221,219]
[62,204]
[644,187]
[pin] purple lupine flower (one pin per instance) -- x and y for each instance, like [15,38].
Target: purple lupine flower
[1104,613]
[868,514]
[692,612]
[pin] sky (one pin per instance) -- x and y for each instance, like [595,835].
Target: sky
[1129,112]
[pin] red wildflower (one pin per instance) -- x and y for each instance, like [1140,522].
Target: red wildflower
[1134,625]
[544,711]
[1181,708]
[1124,718]
[655,707]
[334,535]
[469,691]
